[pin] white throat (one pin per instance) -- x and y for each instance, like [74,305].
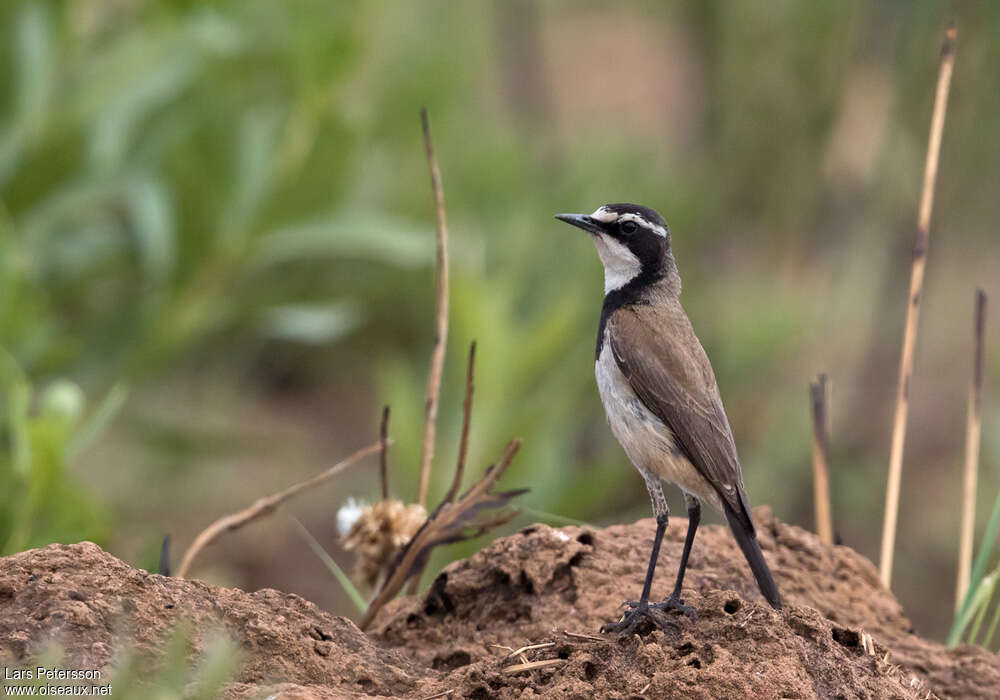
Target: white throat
[620,263]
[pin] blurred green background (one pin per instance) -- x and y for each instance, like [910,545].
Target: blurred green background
[216,256]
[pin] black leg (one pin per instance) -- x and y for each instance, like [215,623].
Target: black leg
[694,517]
[637,612]
[661,527]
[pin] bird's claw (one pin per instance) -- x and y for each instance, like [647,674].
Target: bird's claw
[675,603]
[643,617]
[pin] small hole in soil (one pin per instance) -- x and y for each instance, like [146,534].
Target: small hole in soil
[529,530]
[732,606]
[564,652]
[526,584]
[845,638]
[585,538]
[685,649]
[169,606]
[480,693]
[448,662]
[366,683]
[590,671]
[576,559]
[694,663]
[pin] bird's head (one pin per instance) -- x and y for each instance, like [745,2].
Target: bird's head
[633,242]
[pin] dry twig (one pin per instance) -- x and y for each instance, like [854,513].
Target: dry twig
[164,568]
[384,455]
[450,522]
[441,316]
[819,392]
[913,307]
[973,430]
[463,444]
[264,506]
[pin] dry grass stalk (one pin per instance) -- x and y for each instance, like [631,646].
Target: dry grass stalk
[265,506]
[913,307]
[819,392]
[442,694]
[530,647]
[441,316]
[450,522]
[463,444]
[384,455]
[532,665]
[164,568]
[973,430]
[585,637]
[463,447]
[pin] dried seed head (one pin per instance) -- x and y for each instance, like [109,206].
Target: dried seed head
[348,515]
[378,532]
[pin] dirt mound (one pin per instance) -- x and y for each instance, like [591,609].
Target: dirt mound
[840,635]
[93,604]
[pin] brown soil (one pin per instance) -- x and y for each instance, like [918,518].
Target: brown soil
[840,636]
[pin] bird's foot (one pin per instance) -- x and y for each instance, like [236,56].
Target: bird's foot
[675,603]
[642,618]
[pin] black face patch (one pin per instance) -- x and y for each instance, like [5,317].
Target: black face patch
[650,248]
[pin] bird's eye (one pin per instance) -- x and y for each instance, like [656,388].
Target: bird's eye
[628,226]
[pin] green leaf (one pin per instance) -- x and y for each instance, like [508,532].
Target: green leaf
[349,235]
[310,324]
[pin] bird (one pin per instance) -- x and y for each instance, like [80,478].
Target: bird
[661,397]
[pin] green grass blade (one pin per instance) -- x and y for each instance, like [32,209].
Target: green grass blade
[989,585]
[553,517]
[982,557]
[993,625]
[979,599]
[219,665]
[338,573]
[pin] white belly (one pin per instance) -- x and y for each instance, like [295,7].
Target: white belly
[647,441]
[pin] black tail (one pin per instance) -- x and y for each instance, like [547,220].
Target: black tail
[747,540]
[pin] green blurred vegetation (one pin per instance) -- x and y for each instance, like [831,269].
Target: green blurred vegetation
[171,673]
[983,593]
[224,206]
